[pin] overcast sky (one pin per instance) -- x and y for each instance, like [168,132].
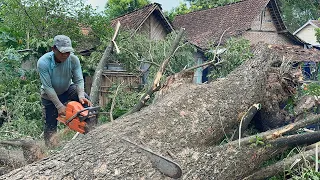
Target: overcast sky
[166,4]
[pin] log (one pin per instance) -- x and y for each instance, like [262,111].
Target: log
[282,166]
[184,126]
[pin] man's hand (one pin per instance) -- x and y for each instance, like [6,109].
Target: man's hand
[85,101]
[62,110]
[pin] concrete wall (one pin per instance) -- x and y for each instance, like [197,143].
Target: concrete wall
[263,29]
[263,22]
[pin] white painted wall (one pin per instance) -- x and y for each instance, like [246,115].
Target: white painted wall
[308,34]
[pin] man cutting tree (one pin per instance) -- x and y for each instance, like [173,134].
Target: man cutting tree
[62,80]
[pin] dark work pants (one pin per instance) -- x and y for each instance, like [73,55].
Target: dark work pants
[51,112]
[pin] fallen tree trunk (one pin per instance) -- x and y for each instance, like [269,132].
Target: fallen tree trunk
[183,126]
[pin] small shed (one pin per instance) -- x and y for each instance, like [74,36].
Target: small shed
[113,74]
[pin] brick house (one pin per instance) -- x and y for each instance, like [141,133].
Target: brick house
[255,20]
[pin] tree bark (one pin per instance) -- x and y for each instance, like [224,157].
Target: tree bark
[282,166]
[183,126]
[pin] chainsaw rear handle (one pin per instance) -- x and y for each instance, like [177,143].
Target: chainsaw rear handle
[91,111]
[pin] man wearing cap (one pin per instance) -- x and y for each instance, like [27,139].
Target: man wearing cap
[62,80]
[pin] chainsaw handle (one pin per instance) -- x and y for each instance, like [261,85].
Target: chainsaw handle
[91,111]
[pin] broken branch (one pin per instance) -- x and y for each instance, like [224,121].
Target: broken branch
[156,83]
[98,72]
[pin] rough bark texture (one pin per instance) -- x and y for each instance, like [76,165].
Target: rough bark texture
[283,165]
[183,126]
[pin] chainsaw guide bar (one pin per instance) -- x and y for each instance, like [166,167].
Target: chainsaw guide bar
[163,164]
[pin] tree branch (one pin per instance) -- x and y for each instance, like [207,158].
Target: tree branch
[114,102]
[156,83]
[98,72]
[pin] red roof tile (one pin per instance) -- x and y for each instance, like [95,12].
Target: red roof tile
[135,19]
[208,25]
[297,53]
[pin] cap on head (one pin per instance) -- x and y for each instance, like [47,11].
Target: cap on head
[63,43]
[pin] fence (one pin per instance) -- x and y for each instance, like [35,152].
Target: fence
[109,78]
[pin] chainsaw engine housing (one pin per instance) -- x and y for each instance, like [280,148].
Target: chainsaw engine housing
[77,117]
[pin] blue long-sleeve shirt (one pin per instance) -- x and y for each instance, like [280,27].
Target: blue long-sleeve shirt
[57,77]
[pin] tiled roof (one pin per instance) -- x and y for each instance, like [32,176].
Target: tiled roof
[135,19]
[297,53]
[207,26]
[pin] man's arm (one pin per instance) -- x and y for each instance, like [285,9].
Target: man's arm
[46,83]
[77,77]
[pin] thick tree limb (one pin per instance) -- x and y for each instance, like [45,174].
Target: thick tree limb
[273,134]
[156,82]
[281,166]
[297,139]
[94,95]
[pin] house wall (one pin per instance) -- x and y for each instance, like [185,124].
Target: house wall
[154,28]
[263,29]
[308,34]
[263,22]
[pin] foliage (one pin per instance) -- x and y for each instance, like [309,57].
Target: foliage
[296,13]
[257,141]
[195,5]
[318,34]
[207,4]
[312,89]
[115,8]
[23,101]
[307,173]
[41,20]
[124,101]
[183,8]
[139,49]
[237,51]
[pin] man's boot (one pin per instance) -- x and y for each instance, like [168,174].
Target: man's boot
[50,139]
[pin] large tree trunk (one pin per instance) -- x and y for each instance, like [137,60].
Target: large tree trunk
[184,126]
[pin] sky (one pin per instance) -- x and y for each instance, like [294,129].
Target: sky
[166,4]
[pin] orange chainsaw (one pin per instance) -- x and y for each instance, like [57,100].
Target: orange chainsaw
[77,117]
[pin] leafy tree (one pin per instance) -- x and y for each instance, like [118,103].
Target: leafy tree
[194,5]
[296,13]
[181,9]
[207,4]
[41,20]
[19,97]
[115,8]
